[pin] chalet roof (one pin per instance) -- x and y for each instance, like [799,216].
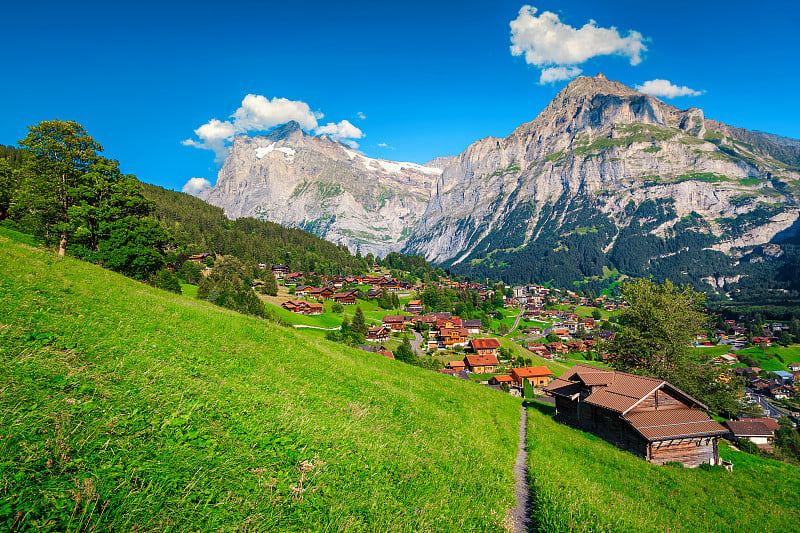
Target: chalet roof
[394,318]
[749,428]
[597,377]
[622,391]
[771,424]
[563,387]
[485,343]
[472,323]
[504,378]
[673,423]
[481,360]
[531,371]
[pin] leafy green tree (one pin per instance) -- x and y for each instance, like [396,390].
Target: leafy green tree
[56,177]
[190,272]
[166,280]
[794,329]
[503,328]
[654,336]
[337,307]
[226,286]
[596,314]
[359,325]
[552,337]
[528,390]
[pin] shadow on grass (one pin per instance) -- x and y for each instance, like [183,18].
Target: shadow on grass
[544,408]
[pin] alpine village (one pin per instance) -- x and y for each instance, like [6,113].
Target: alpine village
[592,324]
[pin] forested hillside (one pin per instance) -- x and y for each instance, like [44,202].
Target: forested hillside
[198,227]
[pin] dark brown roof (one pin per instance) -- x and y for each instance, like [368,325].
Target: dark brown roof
[563,387]
[770,423]
[623,390]
[749,429]
[673,423]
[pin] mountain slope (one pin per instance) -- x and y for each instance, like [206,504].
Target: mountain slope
[322,186]
[136,410]
[606,176]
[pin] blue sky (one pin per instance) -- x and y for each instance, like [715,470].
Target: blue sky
[428,77]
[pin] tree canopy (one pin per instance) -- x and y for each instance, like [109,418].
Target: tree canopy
[654,338]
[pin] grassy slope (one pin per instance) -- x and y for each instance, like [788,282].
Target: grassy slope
[126,408]
[767,358]
[581,483]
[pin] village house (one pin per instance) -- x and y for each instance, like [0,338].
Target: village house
[539,349]
[456,365]
[484,346]
[414,307]
[753,430]
[481,364]
[394,322]
[473,326]
[648,417]
[199,258]
[323,293]
[452,337]
[346,297]
[314,308]
[279,271]
[380,334]
[537,376]
[499,380]
[380,350]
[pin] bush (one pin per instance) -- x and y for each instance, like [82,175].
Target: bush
[166,280]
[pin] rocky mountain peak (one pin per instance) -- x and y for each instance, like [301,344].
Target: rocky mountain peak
[286,131]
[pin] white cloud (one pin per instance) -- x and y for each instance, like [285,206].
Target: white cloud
[384,145]
[361,115]
[553,74]
[196,185]
[340,131]
[666,89]
[558,48]
[259,113]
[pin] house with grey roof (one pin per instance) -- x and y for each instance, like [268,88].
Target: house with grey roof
[648,417]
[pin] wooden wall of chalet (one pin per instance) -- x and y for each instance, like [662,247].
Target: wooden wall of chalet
[660,400]
[692,452]
[605,424]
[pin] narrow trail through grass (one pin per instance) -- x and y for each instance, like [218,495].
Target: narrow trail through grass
[518,517]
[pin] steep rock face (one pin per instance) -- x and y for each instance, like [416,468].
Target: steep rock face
[603,149]
[320,185]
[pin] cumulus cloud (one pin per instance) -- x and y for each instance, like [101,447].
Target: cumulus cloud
[361,115]
[384,145]
[196,185]
[552,74]
[557,48]
[665,89]
[259,113]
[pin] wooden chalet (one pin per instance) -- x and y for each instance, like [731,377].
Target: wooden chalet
[380,334]
[323,293]
[279,271]
[414,307]
[314,308]
[472,326]
[647,417]
[753,430]
[481,364]
[346,297]
[450,337]
[456,365]
[539,349]
[557,347]
[484,346]
[395,322]
[380,350]
[499,380]
[537,376]
[198,258]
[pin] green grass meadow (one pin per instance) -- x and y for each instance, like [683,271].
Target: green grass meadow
[581,483]
[125,408]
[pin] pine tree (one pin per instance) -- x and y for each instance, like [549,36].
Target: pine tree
[359,325]
[270,284]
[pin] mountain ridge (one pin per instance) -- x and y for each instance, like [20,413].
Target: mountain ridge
[599,148]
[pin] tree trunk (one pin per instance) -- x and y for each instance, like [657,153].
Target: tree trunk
[62,245]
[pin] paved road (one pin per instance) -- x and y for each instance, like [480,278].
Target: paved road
[769,410]
[416,342]
[516,322]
